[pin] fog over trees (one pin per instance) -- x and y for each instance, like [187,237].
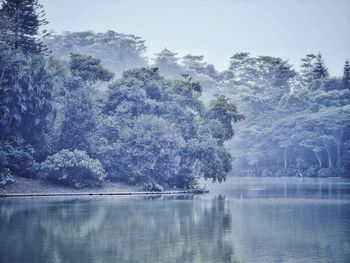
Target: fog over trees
[83,107]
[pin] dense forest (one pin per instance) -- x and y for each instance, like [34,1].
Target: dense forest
[82,107]
[69,119]
[297,122]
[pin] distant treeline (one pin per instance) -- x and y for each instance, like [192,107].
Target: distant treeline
[297,122]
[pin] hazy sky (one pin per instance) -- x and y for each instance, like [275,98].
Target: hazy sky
[218,28]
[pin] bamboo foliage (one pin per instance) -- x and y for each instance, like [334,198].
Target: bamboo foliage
[25,95]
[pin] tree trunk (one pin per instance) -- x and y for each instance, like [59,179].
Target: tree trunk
[319,159]
[338,144]
[285,158]
[330,165]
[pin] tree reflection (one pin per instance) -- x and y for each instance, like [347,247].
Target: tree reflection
[174,229]
[117,230]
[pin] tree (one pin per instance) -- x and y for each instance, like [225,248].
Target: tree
[130,95]
[346,75]
[296,121]
[158,133]
[79,121]
[265,80]
[307,73]
[320,71]
[149,151]
[196,67]
[26,86]
[89,69]
[26,17]
[194,63]
[226,113]
[117,51]
[25,96]
[79,118]
[202,156]
[240,67]
[7,26]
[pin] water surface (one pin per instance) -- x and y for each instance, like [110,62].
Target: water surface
[242,220]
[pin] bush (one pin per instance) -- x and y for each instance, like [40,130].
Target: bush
[17,158]
[74,168]
[326,172]
[287,172]
[153,187]
[332,172]
[311,172]
[6,177]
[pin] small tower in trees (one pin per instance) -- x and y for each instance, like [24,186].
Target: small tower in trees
[166,61]
[166,57]
[346,75]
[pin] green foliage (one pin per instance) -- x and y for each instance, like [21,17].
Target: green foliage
[25,89]
[149,151]
[304,125]
[320,70]
[21,21]
[225,112]
[146,130]
[6,177]
[117,51]
[262,81]
[25,98]
[198,69]
[146,126]
[132,94]
[17,158]
[346,75]
[79,121]
[312,68]
[308,69]
[89,69]
[194,63]
[205,157]
[162,133]
[74,168]
[79,115]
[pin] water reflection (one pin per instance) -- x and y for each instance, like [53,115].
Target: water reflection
[286,187]
[114,230]
[214,228]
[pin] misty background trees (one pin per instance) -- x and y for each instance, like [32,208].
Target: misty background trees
[297,122]
[82,107]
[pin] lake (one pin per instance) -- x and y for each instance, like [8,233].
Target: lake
[241,220]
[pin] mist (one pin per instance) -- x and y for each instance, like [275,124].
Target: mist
[217,29]
[174,131]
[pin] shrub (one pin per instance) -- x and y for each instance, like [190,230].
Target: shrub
[325,172]
[6,177]
[17,158]
[153,187]
[311,172]
[74,168]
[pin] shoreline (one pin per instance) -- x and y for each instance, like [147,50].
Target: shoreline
[141,193]
[28,187]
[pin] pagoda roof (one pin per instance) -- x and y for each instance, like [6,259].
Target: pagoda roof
[166,53]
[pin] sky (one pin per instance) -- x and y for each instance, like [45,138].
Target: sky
[218,28]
